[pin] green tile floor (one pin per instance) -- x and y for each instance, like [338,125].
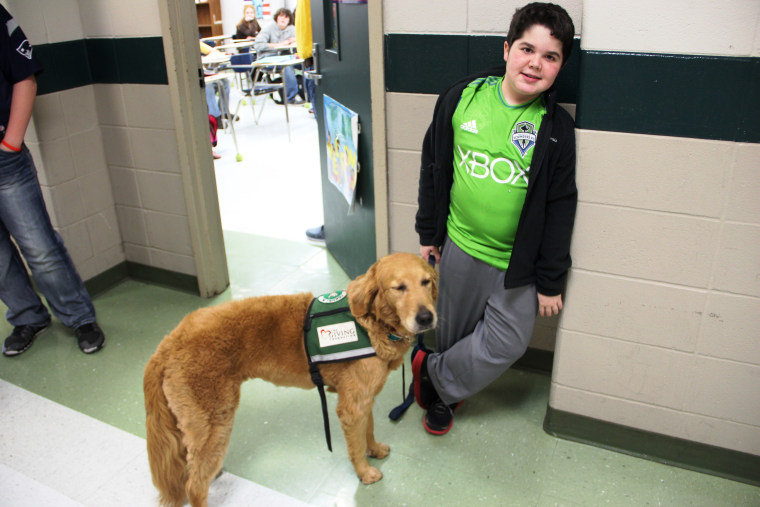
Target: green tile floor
[496,453]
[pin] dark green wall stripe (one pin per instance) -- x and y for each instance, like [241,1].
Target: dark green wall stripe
[149,274]
[417,63]
[180,281]
[107,279]
[705,97]
[705,458]
[537,360]
[70,64]
[65,66]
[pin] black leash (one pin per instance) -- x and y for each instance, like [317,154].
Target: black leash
[316,377]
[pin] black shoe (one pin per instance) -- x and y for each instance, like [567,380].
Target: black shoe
[316,234]
[439,417]
[21,339]
[424,392]
[91,337]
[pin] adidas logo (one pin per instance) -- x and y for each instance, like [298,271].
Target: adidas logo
[469,126]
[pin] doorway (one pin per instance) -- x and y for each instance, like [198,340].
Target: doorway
[276,189]
[268,200]
[267,206]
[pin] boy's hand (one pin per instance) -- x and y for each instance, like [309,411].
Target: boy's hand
[549,305]
[427,251]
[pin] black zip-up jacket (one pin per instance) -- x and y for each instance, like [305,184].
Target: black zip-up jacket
[541,252]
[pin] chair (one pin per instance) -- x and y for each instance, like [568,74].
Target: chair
[251,86]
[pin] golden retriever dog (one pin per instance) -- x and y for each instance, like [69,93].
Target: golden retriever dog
[192,382]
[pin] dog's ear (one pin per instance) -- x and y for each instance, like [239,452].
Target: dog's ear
[362,292]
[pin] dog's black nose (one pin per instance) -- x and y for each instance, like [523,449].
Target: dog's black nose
[424,317]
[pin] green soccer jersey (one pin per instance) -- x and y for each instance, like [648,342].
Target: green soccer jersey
[493,149]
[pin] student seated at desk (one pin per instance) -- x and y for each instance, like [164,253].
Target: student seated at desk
[215,106]
[248,28]
[277,35]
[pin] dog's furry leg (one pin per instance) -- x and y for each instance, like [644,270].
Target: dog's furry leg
[205,456]
[375,449]
[166,452]
[353,410]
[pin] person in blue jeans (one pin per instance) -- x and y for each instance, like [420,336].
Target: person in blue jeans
[24,218]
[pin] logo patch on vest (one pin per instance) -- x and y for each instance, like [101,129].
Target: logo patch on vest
[337,334]
[332,297]
[524,136]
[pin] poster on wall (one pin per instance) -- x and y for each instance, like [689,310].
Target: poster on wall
[342,138]
[259,6]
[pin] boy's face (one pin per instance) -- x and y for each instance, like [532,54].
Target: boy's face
[533,62]
[283,21]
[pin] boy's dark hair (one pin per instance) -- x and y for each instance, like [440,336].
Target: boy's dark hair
[552,16]
[283,11]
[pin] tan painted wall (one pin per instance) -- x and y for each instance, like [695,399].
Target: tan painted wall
[663,309]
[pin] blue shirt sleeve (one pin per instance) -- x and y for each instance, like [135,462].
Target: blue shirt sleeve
[17,61]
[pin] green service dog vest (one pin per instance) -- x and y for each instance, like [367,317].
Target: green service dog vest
[331,335]
[331,332]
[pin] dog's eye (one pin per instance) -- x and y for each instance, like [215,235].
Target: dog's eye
[425,283]
[400,288]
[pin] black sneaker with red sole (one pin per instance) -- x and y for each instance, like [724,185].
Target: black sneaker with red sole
[440,417]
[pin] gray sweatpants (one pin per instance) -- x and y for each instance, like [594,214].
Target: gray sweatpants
[483,328]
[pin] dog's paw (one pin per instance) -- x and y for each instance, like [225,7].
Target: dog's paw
[379,450]
[371,475]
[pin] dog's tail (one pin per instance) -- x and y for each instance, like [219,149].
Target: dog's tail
[166,452]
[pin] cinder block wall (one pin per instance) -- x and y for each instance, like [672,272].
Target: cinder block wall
[104,142]
[662,322]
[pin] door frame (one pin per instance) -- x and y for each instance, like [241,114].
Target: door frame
[184,71]
[379,141]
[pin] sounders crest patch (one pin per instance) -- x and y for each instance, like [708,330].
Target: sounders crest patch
[524,136]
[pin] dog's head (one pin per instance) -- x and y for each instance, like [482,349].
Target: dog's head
[399,291]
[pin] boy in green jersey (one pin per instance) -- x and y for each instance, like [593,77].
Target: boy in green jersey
[497,202]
